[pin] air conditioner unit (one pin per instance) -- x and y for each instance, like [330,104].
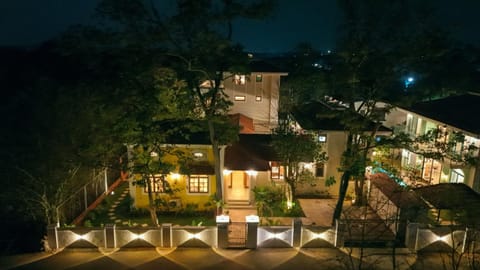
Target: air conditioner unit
[175,203]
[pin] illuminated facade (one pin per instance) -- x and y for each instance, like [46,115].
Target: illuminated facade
[451,116]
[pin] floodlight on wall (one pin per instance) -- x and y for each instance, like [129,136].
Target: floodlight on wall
[193,236]
[226,172]
[252,173]
[175,176]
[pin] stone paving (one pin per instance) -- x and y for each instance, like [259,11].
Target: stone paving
[318,211]
[112,211]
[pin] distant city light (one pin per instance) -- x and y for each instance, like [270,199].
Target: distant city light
[409,81]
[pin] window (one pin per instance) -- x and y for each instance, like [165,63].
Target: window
[258,78]
[322,138]
[157,183]
[258,98]
[198,184]
[277,171]
[457,176]
[239,79]
[199,155]
[320,169]
[240,98]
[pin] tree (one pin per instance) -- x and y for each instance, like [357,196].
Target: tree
[202,51]
[293,149]
[375,53]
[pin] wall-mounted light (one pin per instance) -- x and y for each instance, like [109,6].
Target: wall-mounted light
[175,176]
[252,173]
[227,172]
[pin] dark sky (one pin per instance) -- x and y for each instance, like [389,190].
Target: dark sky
[27,22]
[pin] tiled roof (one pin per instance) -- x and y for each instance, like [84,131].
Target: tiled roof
[251,152]
[460,111]
[450,196]
[397,194]
[319,116]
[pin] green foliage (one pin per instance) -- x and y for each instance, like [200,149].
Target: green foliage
[330,181]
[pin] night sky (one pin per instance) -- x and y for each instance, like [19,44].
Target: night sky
[29,22]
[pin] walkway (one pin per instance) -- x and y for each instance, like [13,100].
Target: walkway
[318,211]
[112,211]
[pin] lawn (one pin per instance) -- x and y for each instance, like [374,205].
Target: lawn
[136,217]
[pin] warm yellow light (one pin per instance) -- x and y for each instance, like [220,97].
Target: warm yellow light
[175,176]
[79,236]
[193,235]
[308,166]
[289,204]
[322,235]
[138,236]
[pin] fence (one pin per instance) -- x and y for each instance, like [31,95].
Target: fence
[442,238]
[297,235]
[79,201]
[167,235]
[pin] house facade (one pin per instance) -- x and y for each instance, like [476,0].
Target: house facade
[245,164]
[317,118]
[191,182]
[256,96]
[452,116]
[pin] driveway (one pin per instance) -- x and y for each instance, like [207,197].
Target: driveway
[318,211]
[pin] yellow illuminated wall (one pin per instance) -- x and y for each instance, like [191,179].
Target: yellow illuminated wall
[179,183]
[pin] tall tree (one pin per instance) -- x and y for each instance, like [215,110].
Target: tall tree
[197,42]
[294,149]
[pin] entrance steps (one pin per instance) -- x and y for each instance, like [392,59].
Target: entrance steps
[239,204]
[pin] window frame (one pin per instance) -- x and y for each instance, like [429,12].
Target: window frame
[202,184]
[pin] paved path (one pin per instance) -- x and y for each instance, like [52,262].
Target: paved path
[318,211]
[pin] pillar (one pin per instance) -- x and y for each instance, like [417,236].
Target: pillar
[52,235]
[222,231]
[110,236]
[297,232]
[167,235]
[252,231]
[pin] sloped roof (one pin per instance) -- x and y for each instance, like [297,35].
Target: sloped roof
[460,111]
[258,65]
[251,152]
[319,116]
[400,196]
[450,196]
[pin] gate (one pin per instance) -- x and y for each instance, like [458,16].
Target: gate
[237,234]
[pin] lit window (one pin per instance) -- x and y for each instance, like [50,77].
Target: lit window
[277,171]
[239,79]
[258,98]
[198,184]
[320,169]
[322,138]
[157,183]
[240,98]
[258,78]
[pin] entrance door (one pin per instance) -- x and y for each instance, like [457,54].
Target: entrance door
[237,184]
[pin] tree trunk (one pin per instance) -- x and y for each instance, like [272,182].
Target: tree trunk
[341,196]
[151,203]
[216,157]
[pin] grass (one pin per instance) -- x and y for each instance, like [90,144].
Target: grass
[99,216]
